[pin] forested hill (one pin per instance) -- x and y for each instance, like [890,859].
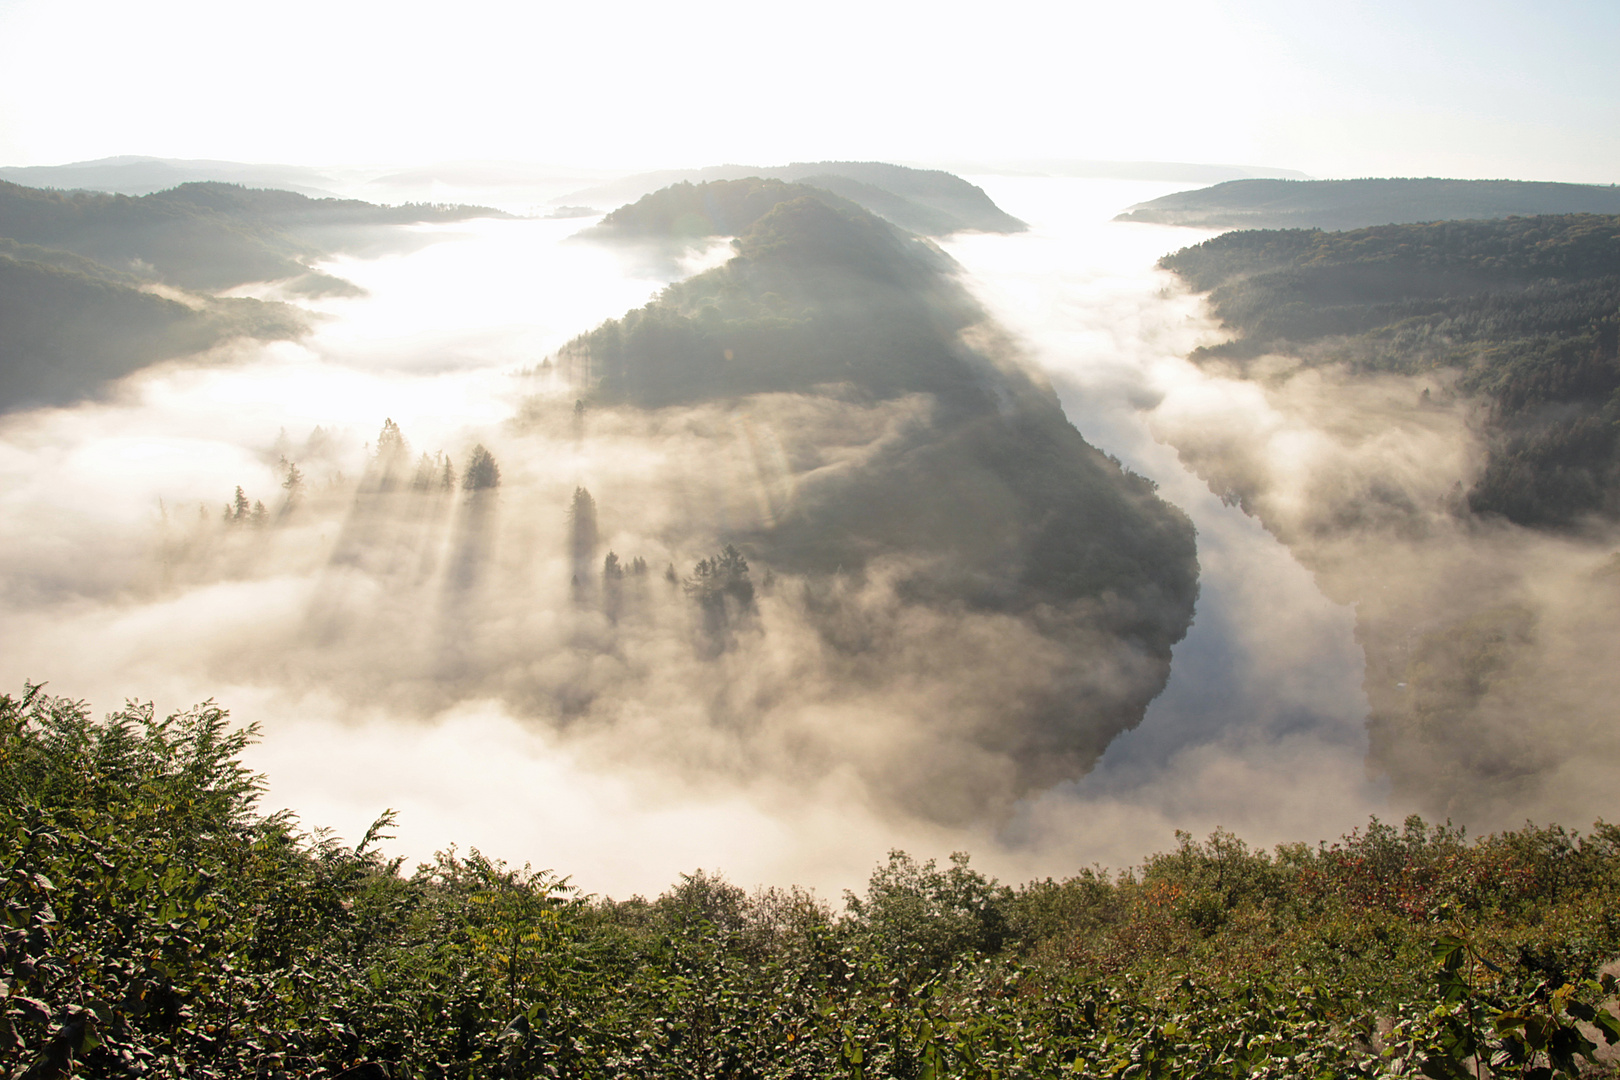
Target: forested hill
[925,201]
[1525,309]
[685,212]
[986,495]
[159,923]
[1354,204]
[208,236]
[71,325]
[821,292]
[95,286]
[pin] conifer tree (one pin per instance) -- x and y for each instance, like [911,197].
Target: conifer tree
[482,472]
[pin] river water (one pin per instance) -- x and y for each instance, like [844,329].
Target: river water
[1260,730]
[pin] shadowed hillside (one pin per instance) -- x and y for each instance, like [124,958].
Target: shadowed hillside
[1523,311]
[686,212]
[73,325]
[987,496]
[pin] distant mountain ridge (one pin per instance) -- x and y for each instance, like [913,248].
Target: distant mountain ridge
[140,175]
[926,201]
[1356,204]
[1088,169]
[203,235]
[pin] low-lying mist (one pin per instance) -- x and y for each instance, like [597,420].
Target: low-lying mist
[1489,645]
[466,654]
[1262,726]
[1448,470]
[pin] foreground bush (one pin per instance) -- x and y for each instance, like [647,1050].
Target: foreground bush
[157,924]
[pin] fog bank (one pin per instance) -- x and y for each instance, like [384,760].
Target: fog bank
[395,640]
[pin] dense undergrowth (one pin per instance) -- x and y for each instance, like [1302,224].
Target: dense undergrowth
[158,924]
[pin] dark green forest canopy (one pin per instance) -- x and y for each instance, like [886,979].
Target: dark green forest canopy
[72,325]
[995,495]
[159,923]
[926,201]
[1526,309]
[1355,204]
[814,278]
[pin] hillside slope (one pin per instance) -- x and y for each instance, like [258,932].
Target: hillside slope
[1524,311]
[72,325]
[988,497]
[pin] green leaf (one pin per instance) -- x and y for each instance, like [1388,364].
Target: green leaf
[1450,951]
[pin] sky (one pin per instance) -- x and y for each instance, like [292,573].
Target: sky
[1482,88]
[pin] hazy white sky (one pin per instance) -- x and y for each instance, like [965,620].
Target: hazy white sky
[1375,87]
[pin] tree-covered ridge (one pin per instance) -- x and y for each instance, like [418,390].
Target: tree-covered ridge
[926,201]
[1355,204]
[684,211]
[990,499]
[72,325]
[77,271]
[158,923]
[1526,309]
[206,236]
[819,293]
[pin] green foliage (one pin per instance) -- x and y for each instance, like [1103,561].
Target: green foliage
[155,923]
[920,919]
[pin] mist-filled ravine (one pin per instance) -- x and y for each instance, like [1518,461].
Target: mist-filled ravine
[265,525]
